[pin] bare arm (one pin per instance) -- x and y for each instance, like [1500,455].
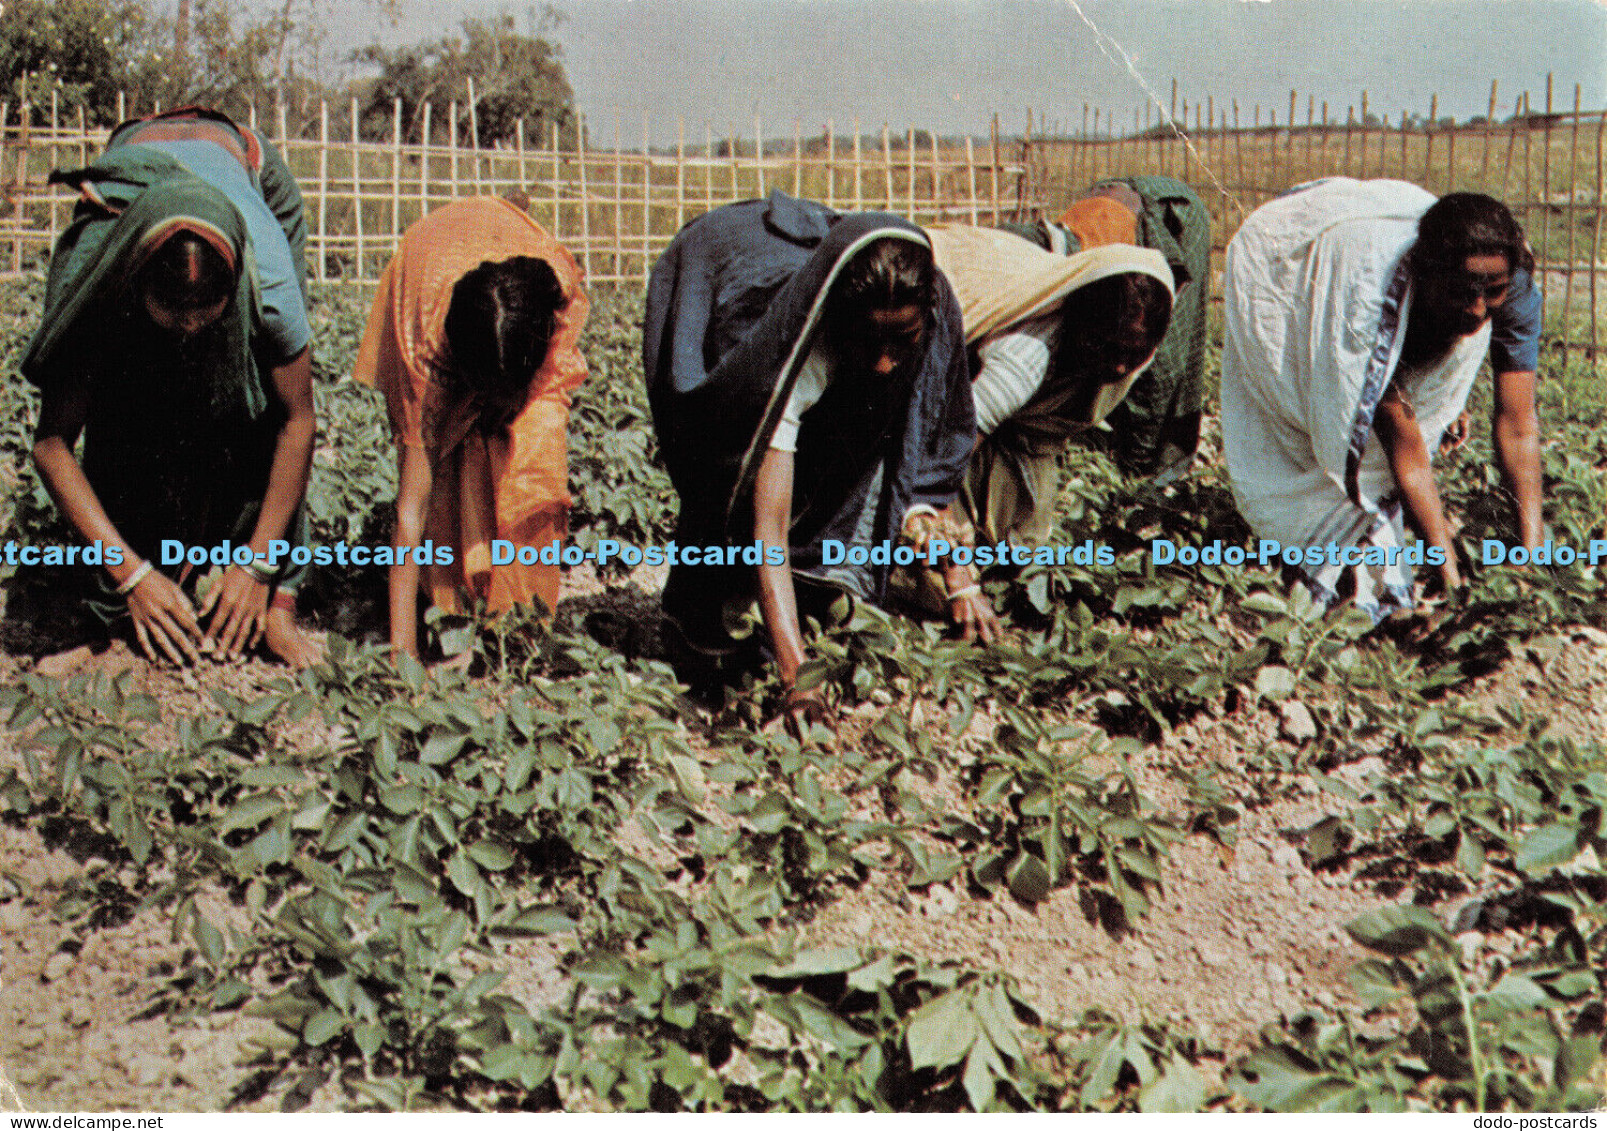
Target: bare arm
[1516,427]
[239,601]
[163,617]
[772,515]
[1398,430]
[414,480]
[778,602]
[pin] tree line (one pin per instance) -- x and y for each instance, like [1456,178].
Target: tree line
[235,54]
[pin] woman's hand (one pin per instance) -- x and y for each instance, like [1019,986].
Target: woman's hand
[1455,435]
[973,615]
[805,709]
[969,607]
[164,619]
[237,604]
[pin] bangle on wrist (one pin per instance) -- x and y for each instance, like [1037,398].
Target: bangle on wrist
[261,571]
[131,582]
[966,590]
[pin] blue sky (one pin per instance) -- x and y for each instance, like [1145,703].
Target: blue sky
[949,64]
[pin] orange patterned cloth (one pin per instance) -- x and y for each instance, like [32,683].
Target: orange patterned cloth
[514,484]
[1099,220]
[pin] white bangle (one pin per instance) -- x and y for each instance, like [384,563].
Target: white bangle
[132,580]
[965,591]
[265,574]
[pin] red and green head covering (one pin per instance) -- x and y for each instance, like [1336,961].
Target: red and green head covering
[134,200]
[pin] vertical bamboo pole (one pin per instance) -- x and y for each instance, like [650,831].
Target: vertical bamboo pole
[1180,134]
[1428,141]
[1545,180]
[887,166]
[424,163]
[1091,154]
[357,193]
[585,195]
[1164,139]
[16,242]
[1272,146]
[647,201]
[1311,131]
[55,159]
[708,167]
[1568,219]
[619,195]
[1350,125]
[619,198]
[1405,131]
[1484,160]
[995,171]
[452,148]
[474,137]
[521,174]
[122,110]
[797,158]
[859,182]
[1289,177]
[1322,151]
[1238,152]
[680,173]
[736,169]
[557,186]
[323,189]
[1528,135]
[83,139]
[758,154]
[970,169]
[937,181]
[1211,140]
[1512,141]
[909,169]
[1366,134]
[279,113]
[396,174]
[831,164]
[1450,158]
[1595,243]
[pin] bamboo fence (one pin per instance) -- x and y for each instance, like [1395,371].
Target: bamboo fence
[617,202]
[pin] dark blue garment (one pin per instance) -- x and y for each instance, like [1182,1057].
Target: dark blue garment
[1515,327]
[733,307]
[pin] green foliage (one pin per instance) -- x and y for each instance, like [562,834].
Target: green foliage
[1452,1032]
[72,48]
[516,75]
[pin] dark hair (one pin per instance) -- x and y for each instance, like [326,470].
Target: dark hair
[186,272]
[499,324]
[1463,224]
[1108,310]
[886,273]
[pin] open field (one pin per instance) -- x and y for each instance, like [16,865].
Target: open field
[1178,842]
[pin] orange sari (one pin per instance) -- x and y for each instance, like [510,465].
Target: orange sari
[512,485]
[1097,221]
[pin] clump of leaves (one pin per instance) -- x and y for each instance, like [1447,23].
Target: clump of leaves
[1447,1034]
[1051,813]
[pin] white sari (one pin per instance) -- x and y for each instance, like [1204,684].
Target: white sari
[1315,296]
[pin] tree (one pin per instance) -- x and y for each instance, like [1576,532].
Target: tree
[75,48]
[515,75]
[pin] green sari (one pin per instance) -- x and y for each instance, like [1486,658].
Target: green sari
[180,432]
